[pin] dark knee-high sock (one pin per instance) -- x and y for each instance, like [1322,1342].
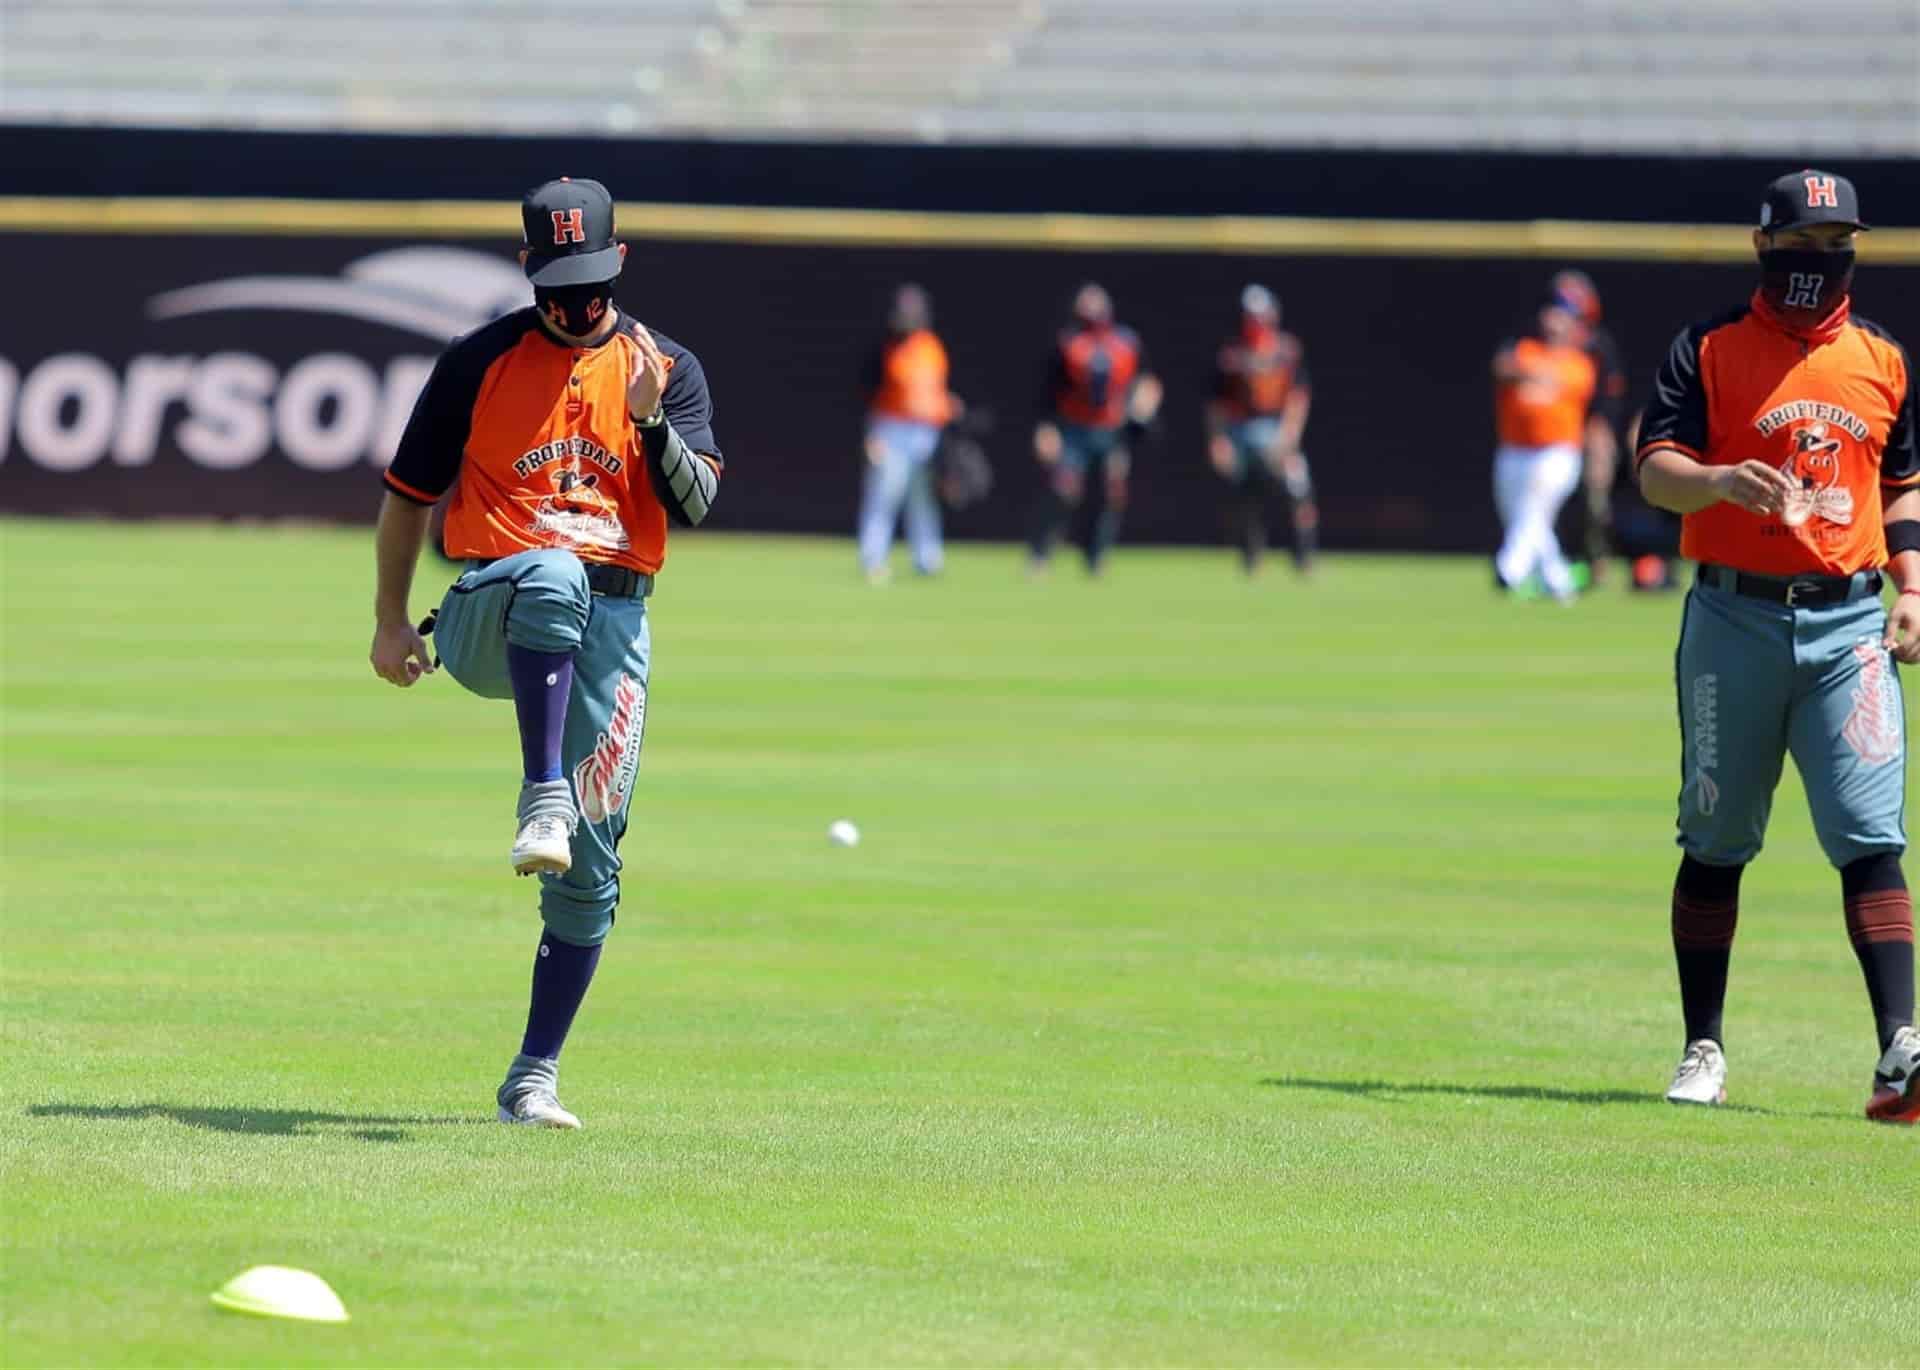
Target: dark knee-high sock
[1306,534]
[1106,532]
[1253,531]
[542,684]
[1880,925]
[1706,908]
[1049,521]
[561,974]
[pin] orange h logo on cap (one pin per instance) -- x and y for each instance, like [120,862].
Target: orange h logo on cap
[569,227]
[1820,191]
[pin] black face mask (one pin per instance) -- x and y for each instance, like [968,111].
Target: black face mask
[574,309]
[1805,286]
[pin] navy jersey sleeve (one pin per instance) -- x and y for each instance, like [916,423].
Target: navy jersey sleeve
[688,403]
[683,460]
[1676,415]
[427,461]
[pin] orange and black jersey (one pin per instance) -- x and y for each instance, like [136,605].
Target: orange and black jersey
[1546,399]
[538,435]
[1832,407]
[907,379]
[1254,377]
[1092,375]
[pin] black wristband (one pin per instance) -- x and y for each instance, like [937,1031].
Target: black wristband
[1903,535]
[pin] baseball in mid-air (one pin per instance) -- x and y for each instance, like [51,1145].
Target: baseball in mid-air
[842,833]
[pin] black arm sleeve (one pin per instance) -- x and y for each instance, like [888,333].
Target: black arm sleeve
[427,461]
[685,482]
[1676,415]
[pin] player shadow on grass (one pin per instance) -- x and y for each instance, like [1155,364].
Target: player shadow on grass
[1388,1089]
[271,1122]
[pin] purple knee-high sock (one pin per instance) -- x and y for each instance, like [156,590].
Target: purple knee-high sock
[561,974]
[542,683]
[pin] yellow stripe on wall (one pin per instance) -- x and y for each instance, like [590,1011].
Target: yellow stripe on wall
[1232,235]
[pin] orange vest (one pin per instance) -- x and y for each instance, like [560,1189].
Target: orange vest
[1819,405]
[913,380]
[1547,403]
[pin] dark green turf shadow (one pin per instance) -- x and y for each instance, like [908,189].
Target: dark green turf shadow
[270,1122]
[1387,1089]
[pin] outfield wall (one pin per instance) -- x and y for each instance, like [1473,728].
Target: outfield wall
[184,357]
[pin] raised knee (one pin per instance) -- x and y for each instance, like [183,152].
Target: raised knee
[554,571]
[551,602]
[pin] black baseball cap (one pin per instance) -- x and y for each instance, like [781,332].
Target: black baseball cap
[569,232]
[1809,197]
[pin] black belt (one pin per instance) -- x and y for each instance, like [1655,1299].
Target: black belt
[615,582]
[618,582]
[1796,592]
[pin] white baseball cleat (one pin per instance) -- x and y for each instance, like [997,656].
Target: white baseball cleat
[544,843]
[537,1107]
[1702,1075]
[1896,1081]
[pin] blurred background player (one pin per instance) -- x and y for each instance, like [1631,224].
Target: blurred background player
[1600,450]
[1100,396]
[1618,521]
[1255,419]
[908,404]
[1543,385]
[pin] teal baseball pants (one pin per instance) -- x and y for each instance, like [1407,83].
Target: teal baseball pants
[542,600]
[1758,680]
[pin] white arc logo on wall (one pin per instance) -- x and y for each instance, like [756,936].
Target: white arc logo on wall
[437,292]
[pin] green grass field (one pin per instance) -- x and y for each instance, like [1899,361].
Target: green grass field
[1230,974]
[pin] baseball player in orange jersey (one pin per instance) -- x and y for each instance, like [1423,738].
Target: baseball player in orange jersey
[1101,396]
[1785,433]
[1575,291]
[908,406]
[576,437]
[1255,419]
[1543,388]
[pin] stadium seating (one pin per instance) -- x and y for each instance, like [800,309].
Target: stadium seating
[1712,75]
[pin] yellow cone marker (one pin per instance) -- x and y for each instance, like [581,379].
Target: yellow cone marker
[277,1291]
